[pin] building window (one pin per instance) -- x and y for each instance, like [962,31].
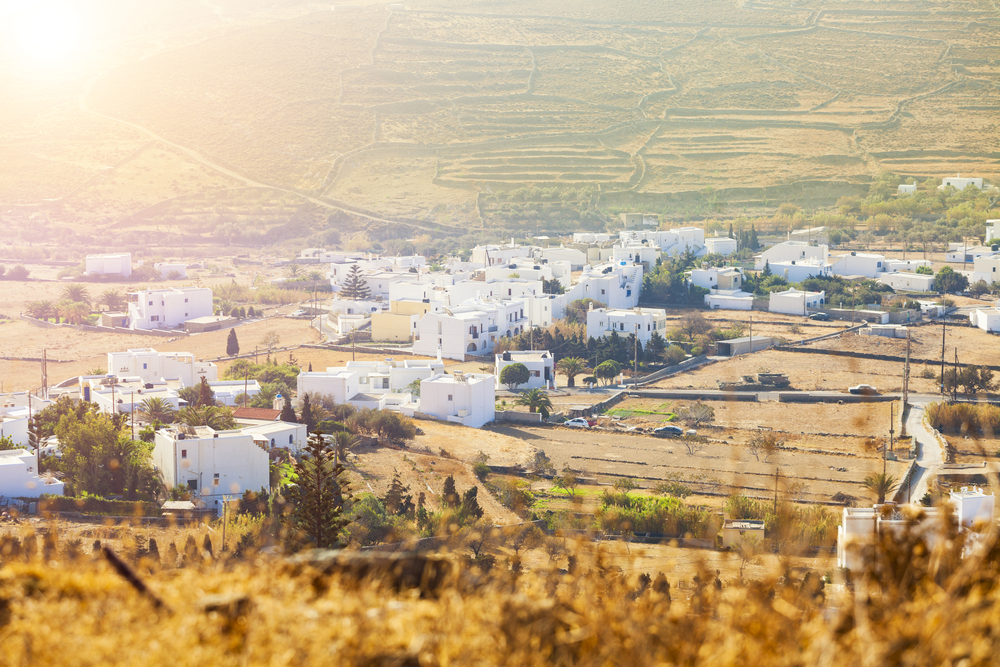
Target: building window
[192,485]
[184,453]
[144,367]
[215,482]
[185,300]
[272,442]
[290,441]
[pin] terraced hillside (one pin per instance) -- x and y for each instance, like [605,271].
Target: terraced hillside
[412,114]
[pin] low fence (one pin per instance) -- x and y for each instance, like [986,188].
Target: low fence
[687,364]
[864,355]
[514,416]
[99,329]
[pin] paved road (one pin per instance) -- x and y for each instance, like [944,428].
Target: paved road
[930,453]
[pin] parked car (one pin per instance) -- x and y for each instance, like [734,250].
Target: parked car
[297,313]
[668,432]
[864,389]
[820,317]
[578,422]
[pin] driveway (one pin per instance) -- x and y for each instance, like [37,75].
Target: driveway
[930,452]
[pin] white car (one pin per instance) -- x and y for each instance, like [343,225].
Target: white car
[297,313]
[579,422]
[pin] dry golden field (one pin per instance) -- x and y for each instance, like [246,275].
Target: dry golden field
[638,98]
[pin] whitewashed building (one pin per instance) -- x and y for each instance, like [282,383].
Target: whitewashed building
[492,254]
[725,278]
[960,183]
[152,366]
[986,268]
[788,251]
[905,264]
[639,321]
[367,377]
[987,319]
[541,367]
[14,420]
[721,245]
[960,252]
[463,398]
[110,264]
[278,434]
[992,229]
[213,464]
[168,308]
[729,300]
[903,281]
[19,476]
[795,271]
[795,302]
[470,328]
[864,264]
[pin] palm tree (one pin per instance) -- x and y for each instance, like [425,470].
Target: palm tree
[344,441]
[536,400]
[40,310]
[155,408]
[75,312]
[293,270]
[218,418]
[76,292]
[881,484]
[113,299]
[571,367]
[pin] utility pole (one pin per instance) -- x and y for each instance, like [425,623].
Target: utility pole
[906,383]
[751,334]
[45,374]
[944,328]
[132,414]
[954,389]
[635,352]
[892,426]
[776,490]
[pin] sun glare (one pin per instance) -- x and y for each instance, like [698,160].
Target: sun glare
[47,35]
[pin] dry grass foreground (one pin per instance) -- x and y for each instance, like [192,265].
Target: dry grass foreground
[916,606]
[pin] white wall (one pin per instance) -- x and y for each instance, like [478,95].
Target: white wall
[153,366]
[540,365]
[794,302]
[791,250]
[602,321]
[907,282]
[110,264]
[339,383]
[859,264]
[19,476]
[240,463]
[721,245]
[470,401]
[168,308]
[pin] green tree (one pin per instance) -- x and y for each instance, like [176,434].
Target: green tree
[306,414]
[571,367]
[449,494]
[219,418]
[18,273]
[318,499]
[158,409]
[7,442]
[287,411]
[355,286]
[552,287]
[535,400]
[924,271]
[87,445]
[205,394]
[232,344]
[608,371]
[513,375]
[881,485]
[947,281]
[576,311]
[113,299]
[75,292]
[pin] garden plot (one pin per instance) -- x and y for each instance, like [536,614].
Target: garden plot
[813,474]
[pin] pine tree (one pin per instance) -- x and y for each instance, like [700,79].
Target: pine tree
[232,345]
[767,269]
[449,494]
[355,287]
[754,244]
[310,367]
[317,499]
[731,230]
[306,415]
[396,500]
[288,412]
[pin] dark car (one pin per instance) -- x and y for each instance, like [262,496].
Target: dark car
[864,390]
[668,432]
[820,317]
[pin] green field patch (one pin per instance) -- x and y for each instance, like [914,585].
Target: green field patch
[626,413]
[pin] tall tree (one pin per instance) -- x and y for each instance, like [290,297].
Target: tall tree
[306,414]
[76,292]
[449,493]
[514,374]
[571,367]
[355,287]
[317,498]
[232,344]
[205,394]
[113,299]
[287,411]
[535,400]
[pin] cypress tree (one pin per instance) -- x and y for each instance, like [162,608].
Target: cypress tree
[232,344]
[754,245]
[288,412]
[306,415]
[317,499]
[449,493]
[205,394]
[470,504]
[731,230]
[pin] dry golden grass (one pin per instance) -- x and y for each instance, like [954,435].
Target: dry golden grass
[914,605]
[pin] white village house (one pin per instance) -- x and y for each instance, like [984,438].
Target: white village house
[168,308]
[639,321]
[462,398]
[152,366]
[471,328]
[795,302]
[19,476]
[110,264]
[540,364]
